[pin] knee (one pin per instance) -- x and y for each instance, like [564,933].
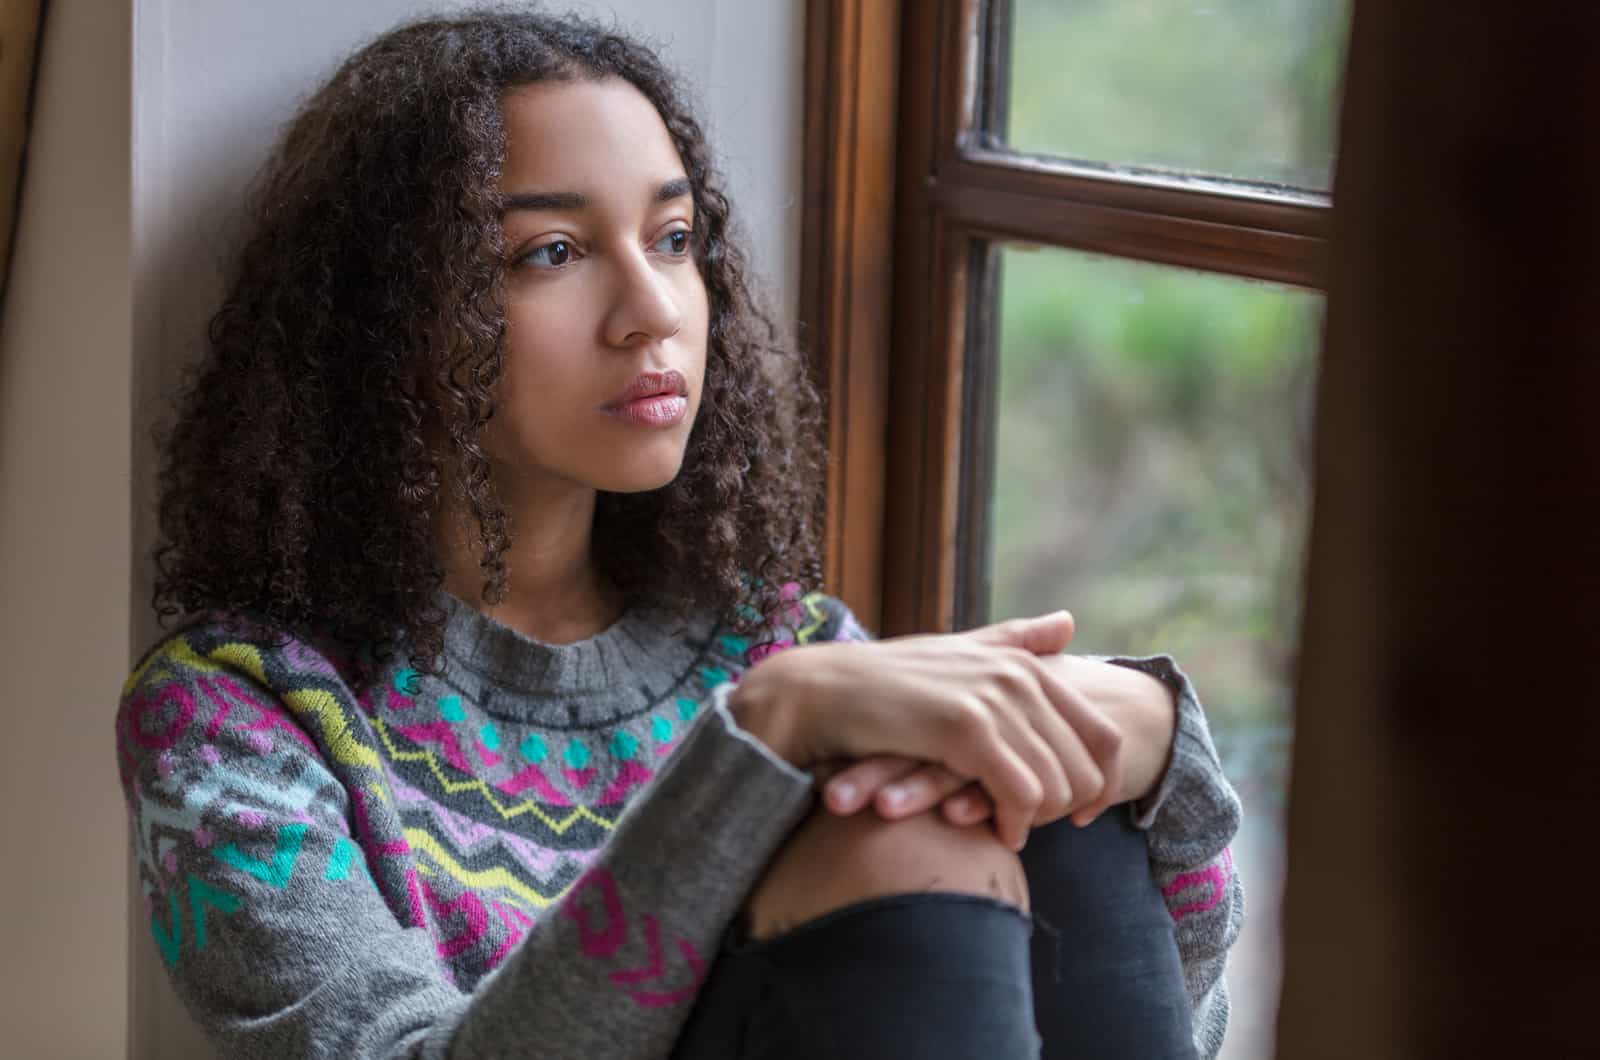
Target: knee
[830,862]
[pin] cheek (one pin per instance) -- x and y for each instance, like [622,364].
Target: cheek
[537,359]
[697,322]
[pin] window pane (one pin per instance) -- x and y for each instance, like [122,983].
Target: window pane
[1236,88]
[1150,475]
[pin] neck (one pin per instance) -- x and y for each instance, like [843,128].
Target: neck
[554,593]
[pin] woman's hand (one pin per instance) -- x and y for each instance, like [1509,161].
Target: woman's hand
[1140,706]
[987,705]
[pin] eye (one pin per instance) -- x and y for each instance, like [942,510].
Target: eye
[552,255]
[676,243]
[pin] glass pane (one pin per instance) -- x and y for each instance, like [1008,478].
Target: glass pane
[1236,88]
[1151,475]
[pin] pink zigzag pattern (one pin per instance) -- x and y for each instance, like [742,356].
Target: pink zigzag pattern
[269,716]
[533,777]
[1215,876]
[475,919]
[364,827]
[514,932]
[630,776]
[440,734]
[467,835]
[603,943]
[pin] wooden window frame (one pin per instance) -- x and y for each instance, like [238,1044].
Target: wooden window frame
[907,196]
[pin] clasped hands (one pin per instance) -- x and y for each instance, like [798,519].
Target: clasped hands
[991,723]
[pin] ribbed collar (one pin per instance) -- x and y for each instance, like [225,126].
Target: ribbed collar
[642,651]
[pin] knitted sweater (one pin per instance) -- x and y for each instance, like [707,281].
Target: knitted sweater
[535,852]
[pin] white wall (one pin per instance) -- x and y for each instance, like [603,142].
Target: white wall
[213,80]
[64,552]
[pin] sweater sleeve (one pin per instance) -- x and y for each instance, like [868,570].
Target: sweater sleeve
[247,832]
[1191,817]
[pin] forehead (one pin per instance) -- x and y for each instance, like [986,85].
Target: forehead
[584,136]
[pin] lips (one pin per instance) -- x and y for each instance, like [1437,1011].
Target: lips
[652,399]
[670,383]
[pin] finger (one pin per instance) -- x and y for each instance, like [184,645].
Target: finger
[1095,759]
[1084,741]
[980,751]
[921,789]
[967,807]
[1028,722]
[1043,635]
[854,786]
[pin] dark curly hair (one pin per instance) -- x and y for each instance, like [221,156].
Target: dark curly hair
[352,366]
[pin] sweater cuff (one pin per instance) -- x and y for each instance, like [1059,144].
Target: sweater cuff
[719,707]
[1192,749]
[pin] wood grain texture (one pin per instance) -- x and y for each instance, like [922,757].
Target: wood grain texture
[852,69]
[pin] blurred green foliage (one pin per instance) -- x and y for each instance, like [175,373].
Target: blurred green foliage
[1151,458]
[1152,447]
[1240,88]
[1151,466]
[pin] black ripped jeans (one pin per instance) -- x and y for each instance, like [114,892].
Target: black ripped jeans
[1092,974]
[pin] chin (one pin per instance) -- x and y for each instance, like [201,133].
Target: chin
[647,472]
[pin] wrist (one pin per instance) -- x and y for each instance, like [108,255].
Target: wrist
[763,706]
[1146,712]
[1150,719]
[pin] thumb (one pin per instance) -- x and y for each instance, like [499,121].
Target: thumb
[1044,635]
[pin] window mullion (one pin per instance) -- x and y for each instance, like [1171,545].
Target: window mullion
[1279,240]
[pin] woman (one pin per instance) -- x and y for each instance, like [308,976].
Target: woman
[495,727]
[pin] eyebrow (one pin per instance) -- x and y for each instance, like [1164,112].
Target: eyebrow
[572,200]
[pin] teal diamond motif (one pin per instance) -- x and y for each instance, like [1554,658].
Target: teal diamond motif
[623,745]
[450,707]
[735,646]
[713,676]
[533,748]
[490,738]
[405,682]
[661,729]
[686,708]
[576,754]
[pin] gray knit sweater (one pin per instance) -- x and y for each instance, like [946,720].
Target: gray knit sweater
[533,853]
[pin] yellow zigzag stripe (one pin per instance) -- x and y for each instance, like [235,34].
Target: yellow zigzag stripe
[456,787]
[177,653]
[495,877]
[319,703]
[813,604]
[244,657]
[344,744]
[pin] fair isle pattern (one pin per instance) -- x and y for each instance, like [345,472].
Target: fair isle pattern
[469,824]
[334,871]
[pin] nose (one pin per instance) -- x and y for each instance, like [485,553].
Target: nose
[645,306]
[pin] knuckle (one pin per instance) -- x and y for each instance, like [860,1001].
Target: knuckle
[967,719]
[1030,792]
[1012,677]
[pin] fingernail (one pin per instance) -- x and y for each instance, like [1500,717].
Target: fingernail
[960,805]
[844,792]
[895,795]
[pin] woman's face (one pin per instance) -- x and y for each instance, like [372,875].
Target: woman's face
[606,311]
